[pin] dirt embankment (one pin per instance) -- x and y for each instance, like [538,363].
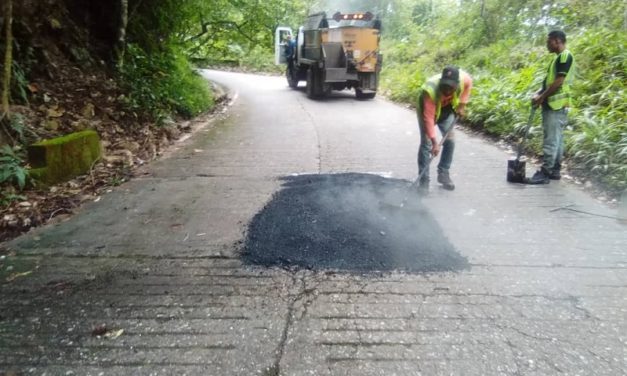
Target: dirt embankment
[63,82]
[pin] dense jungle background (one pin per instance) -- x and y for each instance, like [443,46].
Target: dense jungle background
[126,69]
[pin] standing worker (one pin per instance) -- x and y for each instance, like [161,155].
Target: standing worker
[440,99]
[290,49]
[554,97]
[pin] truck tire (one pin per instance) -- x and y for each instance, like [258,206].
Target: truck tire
[361,95]
[291,75]
[312,83]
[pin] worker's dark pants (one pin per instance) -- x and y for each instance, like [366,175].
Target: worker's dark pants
[444,122]
[553,123]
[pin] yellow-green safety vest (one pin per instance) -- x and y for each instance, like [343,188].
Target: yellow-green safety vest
[431,87]
[561,98]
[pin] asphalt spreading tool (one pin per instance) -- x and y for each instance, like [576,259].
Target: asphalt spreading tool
[416,182]
[516,167]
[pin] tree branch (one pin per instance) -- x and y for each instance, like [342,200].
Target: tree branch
[134,10]
[205,26]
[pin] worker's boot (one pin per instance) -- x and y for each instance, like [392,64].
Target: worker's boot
[555,174]
[445,180]
[540,177]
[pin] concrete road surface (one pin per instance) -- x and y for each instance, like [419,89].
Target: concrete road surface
[149,280]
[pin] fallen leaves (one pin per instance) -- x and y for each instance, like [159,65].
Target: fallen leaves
[55,112]
[113,334]
[32,87]
[13,276]
[102,331]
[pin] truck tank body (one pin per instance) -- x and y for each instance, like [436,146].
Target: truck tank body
[360,45]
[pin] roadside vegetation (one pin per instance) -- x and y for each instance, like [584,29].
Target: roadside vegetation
[502,44]
[128,70]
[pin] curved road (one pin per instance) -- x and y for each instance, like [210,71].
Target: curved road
[158,259]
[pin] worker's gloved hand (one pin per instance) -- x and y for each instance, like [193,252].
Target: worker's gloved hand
[435,148]
[537,100]
[461,111]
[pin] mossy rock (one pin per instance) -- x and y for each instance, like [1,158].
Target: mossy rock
[60,159]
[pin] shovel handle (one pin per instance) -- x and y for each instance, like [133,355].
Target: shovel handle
[532,114]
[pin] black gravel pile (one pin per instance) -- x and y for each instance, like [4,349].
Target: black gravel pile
[342,222]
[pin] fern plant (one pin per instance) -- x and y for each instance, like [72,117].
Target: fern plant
[11,168]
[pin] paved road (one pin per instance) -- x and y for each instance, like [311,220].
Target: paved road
[157,262]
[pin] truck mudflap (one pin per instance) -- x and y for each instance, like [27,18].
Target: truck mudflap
[368,81]
[339,75]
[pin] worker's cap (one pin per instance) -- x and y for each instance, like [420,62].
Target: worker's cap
[450,77]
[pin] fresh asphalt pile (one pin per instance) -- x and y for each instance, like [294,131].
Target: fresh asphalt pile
[344,222]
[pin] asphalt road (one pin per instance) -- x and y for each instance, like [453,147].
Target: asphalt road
[150,280]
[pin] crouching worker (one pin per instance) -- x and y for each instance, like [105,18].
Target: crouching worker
[440,99]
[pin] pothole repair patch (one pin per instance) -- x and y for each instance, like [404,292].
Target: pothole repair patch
[348,222]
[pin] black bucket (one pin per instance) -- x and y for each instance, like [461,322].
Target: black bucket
[516,166]
[516,170]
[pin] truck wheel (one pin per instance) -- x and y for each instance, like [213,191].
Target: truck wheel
[290,74]
[361,95]
[326,89]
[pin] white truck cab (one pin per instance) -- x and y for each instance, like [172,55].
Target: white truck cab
[280,40]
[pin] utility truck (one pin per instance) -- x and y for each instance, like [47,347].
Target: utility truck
[336,53]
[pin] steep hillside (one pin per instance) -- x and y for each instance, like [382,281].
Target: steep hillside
[64,80]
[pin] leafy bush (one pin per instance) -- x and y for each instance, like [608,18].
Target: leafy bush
[164,83]
[598,141]
[260,59]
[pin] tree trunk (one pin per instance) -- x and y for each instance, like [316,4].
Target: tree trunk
[8,55]
[8,62]
[120,42]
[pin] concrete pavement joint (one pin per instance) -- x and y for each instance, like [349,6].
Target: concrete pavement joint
[275,369]
[575,301]
[313,122]
[355,349]
[523,333]
[600,357]
[309,296]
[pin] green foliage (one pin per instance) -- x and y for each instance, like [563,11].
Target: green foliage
[16,123]
[156,70]
[164,82]
[598,140]
[11,170]
[7,197]
[260,59]
[19,84]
